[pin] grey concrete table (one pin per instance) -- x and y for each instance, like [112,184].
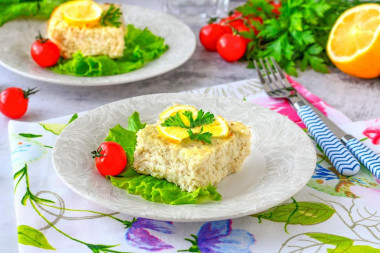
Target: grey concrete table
[358,99]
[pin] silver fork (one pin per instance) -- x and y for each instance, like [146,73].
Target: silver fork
[276,85]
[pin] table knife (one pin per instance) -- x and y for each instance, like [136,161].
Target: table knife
[367,157]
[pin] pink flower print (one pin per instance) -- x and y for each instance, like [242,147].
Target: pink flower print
[373,133]
[313,99]
[281,106]
[371,197]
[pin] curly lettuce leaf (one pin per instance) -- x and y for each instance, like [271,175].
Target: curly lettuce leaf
[11,9]
[160,190]
[151,188]
[141,47]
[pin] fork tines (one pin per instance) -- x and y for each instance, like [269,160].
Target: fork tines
[274,77]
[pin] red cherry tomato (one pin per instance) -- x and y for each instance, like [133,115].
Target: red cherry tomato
[14,101]
[110,158]
[44,52]
[234,21]
[276,7]
[231,47]
[243,28]
[210,34]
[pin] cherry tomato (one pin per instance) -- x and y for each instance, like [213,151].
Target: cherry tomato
[243,28]
[252,24]
[231,47]
[14,101]
[234,21]
[110,158]
[44,52]
[210,34]
[276,7]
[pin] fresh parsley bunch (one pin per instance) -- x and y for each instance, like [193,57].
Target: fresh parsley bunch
[298,36]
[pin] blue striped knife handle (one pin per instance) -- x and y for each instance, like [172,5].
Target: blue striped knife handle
[342,159]
[367,157]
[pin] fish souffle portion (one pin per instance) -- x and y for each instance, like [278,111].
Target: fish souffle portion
[191,148]
[92,37]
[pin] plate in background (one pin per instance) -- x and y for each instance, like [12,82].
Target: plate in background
[17,37]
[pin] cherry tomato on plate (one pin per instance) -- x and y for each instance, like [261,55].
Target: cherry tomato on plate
[210,34]
[231,47]
[110,158]
[44,52]
[14,101]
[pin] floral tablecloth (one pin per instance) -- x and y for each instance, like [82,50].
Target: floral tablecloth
[332,213]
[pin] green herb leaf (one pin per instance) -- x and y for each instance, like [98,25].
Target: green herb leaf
[205,137]
[175,121]
[111,17]
[298,37]
[202,119]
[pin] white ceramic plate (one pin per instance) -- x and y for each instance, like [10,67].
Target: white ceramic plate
[17,37]
[281,163]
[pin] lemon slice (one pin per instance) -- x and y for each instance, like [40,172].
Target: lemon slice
[82,13]
[173,134]
[171,111]
[219,128]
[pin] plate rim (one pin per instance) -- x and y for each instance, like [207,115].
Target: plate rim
[158,217]
[113,79]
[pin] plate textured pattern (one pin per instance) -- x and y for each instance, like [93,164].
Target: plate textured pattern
[288,151]
[15,54]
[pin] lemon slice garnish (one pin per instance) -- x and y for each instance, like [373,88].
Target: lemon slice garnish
[219,128]
[82,13]
[171,111]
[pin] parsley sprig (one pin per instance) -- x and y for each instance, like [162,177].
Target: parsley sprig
[298,36]
[111,17]
[201,119]
[205,137]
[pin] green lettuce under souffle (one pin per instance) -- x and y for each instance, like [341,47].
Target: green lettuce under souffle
[151,188]
[141,47]
[39,9]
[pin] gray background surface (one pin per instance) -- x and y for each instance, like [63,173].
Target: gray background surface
[358,99]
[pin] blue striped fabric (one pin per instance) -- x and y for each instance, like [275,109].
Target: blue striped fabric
[342,159]
[367,157]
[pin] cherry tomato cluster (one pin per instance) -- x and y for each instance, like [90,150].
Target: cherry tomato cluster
[224,37]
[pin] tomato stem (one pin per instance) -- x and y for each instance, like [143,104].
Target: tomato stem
[30,91]
[96,153]
[212,20]
[40,38]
